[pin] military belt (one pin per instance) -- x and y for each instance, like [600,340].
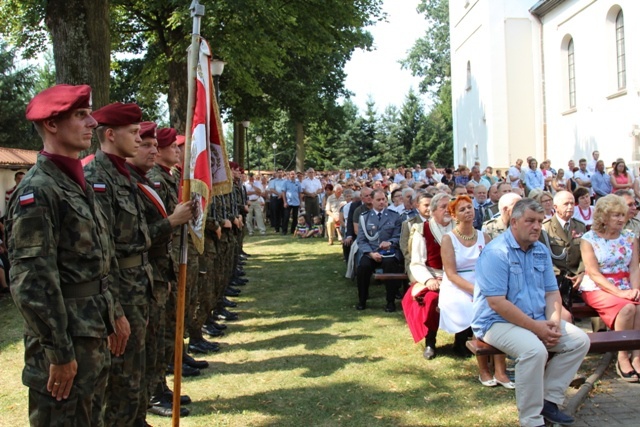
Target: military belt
[158,251]
[85,289]
[134,260]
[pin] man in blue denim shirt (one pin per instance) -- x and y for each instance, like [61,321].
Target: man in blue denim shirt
[291,196]
[517,309]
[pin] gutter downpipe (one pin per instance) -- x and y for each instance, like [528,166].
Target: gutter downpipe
[544,89]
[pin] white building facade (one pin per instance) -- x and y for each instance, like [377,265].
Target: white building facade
[552,79]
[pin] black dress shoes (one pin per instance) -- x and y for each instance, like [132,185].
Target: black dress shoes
[159,405]
[232,292]
[212,331]
[198,364]
[228,303]
[391,307]
[225,314]
[361,306]
[168,395]
[203,347]
[239,273]
[429,352]
[219,326]
[187,371]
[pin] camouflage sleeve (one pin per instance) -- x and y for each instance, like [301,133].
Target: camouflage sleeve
[35,282]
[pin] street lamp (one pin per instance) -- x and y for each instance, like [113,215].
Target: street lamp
[259,152]
[274,146]
[217,67]
[245,124]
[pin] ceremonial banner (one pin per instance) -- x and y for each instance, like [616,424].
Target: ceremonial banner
[209,172]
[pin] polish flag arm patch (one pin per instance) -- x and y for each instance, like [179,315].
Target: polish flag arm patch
[99,187]
[27,199]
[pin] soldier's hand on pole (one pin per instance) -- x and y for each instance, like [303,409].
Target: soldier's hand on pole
[226,224]
[118,340]
[181,214]
[61,379]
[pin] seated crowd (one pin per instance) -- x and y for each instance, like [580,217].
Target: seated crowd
[562,235]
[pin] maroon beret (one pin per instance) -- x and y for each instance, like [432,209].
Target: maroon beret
[118,114]
[148,130]
[180,139]
[57,100]
[166,137]
[234,165]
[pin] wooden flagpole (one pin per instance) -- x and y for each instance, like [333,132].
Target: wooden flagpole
[197,12]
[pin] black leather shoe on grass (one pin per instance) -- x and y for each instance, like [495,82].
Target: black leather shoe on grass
[198,364]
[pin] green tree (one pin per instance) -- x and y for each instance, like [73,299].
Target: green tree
[15,84]
[430,58]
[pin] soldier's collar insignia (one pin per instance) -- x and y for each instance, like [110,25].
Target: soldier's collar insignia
[27,199]
[99,187]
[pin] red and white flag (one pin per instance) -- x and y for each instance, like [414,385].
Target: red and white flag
[209,172]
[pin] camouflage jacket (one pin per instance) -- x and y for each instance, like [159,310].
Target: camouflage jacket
[160,230]
[60,248]
[120,199]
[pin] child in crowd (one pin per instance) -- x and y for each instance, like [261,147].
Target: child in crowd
[302,229]
[316,229]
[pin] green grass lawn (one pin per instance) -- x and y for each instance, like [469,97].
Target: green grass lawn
[301,355]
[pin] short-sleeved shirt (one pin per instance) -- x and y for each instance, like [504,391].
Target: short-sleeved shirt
[292,192]
[524,278]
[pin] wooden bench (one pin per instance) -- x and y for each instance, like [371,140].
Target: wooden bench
[390,276]
[601,342]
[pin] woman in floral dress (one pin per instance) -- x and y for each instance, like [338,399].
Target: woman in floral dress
[611,284]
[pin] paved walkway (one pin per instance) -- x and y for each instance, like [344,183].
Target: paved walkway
[613,402]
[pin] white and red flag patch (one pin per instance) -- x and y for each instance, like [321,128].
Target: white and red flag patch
[27,199]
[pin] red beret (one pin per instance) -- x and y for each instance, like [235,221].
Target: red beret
[58,100]
[234,165]
[166,137]
[148,130]
[118,114]
[180,139]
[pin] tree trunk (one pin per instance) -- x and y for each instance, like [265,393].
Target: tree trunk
[178,90]
[238,144]
[300,149]
[81,44]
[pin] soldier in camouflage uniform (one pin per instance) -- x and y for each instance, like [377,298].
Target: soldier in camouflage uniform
[161,224]
[61,254]
[496,226]
[118,133]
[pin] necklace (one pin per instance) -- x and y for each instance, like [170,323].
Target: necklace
[585,217]
[464,236]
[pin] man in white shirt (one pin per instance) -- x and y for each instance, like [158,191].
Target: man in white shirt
[514,173]
[591,166]
[582,176]
[311,188]
[568,173]
[437,176]
[254,192]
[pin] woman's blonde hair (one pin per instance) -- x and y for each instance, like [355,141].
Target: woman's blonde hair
[605,206]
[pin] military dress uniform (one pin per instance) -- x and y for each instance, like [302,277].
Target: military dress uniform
[564,245]
[119,197]
[61,255]
[494,227]
[375,228]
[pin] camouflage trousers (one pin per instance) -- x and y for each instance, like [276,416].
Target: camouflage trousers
[206,292]
[227,251]
[125,391]
[155,361]
[190,302]
[85,405]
